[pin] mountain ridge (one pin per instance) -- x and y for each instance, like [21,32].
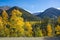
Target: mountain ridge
[25,14]
[4,7]
[50,12]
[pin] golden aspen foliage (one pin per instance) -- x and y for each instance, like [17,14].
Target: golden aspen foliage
[17,22]
[49,30]
[38,32]
[2,33]
[5,23]
[28,29]
[4,15]
[13,25]
[16,12]
[7,32]
[57,29]
[28,25]
[1,23]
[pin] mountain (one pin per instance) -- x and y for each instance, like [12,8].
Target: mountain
[25,14]
[37,13]
[50,12]
[1,11]
[4,7]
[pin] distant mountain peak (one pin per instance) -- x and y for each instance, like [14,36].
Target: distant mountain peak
[15,7]
[51,9]
[25,14]
[50,12]
[4,7]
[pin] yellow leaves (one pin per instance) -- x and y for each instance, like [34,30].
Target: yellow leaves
[49,30]
[28,25]
[1,20]
[1,26]
[20,23]
[20,18]
[28,28]
[49,34]
[4,15]
[15,26]
[57,32]
[21,29]
[28,34]
[17,22]
[16,12]
[1,23]
[57,29]
[15,18]
[7,31]
[40,33]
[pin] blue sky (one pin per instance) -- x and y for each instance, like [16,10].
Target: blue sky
[32,5]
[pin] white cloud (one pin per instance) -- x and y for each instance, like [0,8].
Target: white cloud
[58,8]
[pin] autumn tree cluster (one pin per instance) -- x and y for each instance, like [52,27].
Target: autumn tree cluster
[13,25]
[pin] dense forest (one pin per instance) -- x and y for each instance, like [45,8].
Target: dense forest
[13,24]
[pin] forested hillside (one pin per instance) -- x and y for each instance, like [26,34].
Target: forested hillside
[16,22]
